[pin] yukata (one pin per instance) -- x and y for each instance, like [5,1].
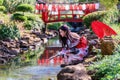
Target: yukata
[77,50]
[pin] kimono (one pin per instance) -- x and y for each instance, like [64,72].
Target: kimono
[77,50]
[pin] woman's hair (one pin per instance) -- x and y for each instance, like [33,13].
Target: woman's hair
[63,40]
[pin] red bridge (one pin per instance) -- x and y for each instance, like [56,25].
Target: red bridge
[65,12]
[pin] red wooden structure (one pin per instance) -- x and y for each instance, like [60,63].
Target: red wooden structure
[65,12]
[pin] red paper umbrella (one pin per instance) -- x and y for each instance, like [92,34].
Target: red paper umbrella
[101,29]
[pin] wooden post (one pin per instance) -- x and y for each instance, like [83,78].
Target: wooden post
[44,28]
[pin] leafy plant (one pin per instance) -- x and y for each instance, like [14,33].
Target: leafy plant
[19,17]
[32,2]
[11,5]
[2,8]
[108,68]
[9,31]
[54,26]
[109,3]
[111,16]
[28,25]
[1,2]
[93,16]
[33,24]
[25,8]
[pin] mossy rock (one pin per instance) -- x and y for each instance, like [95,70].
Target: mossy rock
[107,47]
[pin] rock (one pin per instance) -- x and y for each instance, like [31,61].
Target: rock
[107,47]
[74,72]
[2,61]
[24,44]
[45,40]
[15,51]
[92,36]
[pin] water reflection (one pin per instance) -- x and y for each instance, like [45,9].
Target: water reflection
[33,72]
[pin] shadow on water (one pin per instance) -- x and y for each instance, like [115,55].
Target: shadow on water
[29,69]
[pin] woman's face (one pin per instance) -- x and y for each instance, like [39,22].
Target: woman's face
[62,33]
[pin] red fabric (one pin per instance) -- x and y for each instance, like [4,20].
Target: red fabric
[101,29]
[82,43]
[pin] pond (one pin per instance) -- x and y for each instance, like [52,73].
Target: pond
[32,70]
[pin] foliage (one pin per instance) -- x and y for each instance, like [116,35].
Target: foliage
[32,17]
[29,58]
[54,26]
[28,25]
[33,24]
[9,31]
[108,68]
[28,1]
[4,17]
[93,16]
[19,17]
[2,8]
[112,16]
[25,8]
[116,27]
[11,5]
[1,2]
[33,21]
[109,3]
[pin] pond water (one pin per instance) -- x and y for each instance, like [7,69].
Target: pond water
[34,71]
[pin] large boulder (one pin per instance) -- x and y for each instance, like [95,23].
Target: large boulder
[107,47]
[73,72]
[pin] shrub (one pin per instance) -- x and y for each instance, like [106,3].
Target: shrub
[25,8]
[19,17]
[1,2]
[54,26]
[93,16]
[112,16]
[108,68]
[2,8]
[31,17]
[33,24]
[28,25]
[9,31]
[11,5]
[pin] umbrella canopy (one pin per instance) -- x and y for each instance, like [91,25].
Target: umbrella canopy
[101,29]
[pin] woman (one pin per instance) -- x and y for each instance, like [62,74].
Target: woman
[74,46]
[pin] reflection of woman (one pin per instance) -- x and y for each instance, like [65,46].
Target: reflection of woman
[74,46]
